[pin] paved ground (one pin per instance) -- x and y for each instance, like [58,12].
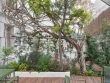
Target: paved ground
[89,79]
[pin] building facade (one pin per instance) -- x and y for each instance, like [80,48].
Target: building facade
[5,33]
[2,29]
[101,13]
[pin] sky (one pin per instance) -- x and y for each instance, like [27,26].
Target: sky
[93,1]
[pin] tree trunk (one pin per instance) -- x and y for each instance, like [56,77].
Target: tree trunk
[81,60]
[60,52]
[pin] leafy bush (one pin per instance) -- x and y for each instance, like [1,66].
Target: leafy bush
[14,65]
[22,59]
[33,58]
[76,71]
[99,73]
[99,46]
[54,65]
[89,73]
[43,63]
[23,67]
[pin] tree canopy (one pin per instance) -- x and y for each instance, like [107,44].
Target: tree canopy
[58,18]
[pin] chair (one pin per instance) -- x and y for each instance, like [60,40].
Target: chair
[67,79]
[106,75]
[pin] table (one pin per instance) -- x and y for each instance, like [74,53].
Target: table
[6,72]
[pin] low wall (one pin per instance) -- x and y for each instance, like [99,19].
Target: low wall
[42,74]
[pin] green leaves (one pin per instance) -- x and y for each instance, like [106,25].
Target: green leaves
[56,28]
[99,52]
[105,40]
[23,67]
[68,30]
[13,65]
[43,63]
[40,6]
[7,51]
[81,14]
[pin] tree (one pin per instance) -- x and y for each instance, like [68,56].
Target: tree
[63,17]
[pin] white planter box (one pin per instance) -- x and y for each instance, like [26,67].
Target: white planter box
[42,74]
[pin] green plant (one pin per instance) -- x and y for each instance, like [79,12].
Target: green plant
[33,58]
[92,50]
[76,71]
[100,73]
[73,68]
[98,52]
[14,65]
[89,73]
[43,63]
[6,52]
[105,41]
[54,65]
[22,59]
[23,67]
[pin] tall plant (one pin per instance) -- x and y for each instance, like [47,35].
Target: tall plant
[6,52]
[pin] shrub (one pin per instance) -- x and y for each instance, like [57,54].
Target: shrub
[76,71]
[89,73]
[23,67]
[100,73]
[22,59]
[33,58]
[73,68]
[54,65]
[13,65]
[43,63]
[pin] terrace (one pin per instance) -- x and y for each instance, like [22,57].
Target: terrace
[89,79]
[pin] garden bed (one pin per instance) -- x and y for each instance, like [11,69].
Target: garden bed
[42,74]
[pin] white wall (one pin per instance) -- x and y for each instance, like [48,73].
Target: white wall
[2,21]
[2,39]
[99,7]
